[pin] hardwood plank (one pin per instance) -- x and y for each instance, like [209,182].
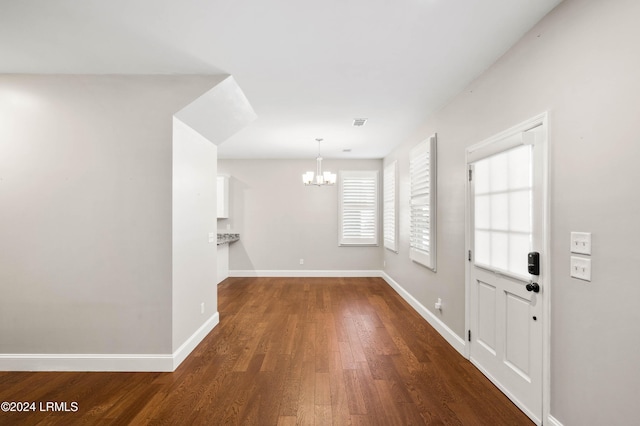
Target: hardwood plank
[394,414]
[354,341]
[288,337]
[249,349]
[322,415]
[339,404]
[360,420]
[323,389]
[377,408]
[355,394]
[287,421]
[287,351]
[322,345]
[306,400]
[289,398]
[346,356]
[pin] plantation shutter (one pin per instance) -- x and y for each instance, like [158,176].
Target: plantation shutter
[389,209]
[358,208]
[422,205]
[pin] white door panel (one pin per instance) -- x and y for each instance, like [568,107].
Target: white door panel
[505,224]
[487,316]
[517,335]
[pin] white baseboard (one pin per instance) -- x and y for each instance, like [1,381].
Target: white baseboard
[454,340]
[553,421]
[108,362]
[303,273]
[86,362]
[190,344]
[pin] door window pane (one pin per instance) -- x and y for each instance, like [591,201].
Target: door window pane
[519,211]
[498,172]
[503,202]
[500,211]
[520,177]
[499,250]
[483,212]
[519,246]
[483,247]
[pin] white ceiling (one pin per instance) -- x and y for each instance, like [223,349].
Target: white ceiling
[307,67]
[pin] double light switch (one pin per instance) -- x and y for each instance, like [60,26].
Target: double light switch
[581,266]
[581,242]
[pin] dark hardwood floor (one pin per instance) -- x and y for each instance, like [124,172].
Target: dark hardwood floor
[287,351]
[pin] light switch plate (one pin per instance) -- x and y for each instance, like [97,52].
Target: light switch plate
[581,268]
[581,242]
[212,237]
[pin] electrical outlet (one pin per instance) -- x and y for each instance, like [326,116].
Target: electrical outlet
[202,308]
[302,261]
[212,237]
[438,304]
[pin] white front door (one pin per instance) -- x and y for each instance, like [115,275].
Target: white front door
[506,223]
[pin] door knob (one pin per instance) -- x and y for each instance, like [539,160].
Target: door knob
[534,287]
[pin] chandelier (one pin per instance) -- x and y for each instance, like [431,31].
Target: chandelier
[320,178]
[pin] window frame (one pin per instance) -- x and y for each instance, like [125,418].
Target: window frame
[358,241]
[422,196]
[390,206]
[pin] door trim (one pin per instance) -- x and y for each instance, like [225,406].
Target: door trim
[545,258]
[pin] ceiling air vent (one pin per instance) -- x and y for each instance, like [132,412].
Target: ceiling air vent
[359,122]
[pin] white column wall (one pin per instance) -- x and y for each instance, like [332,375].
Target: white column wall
[194,294]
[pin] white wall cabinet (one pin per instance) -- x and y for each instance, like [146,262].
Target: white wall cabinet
[223,196]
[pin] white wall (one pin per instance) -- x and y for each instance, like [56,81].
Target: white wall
[85,212]
[194,217]
[581,63]
[281,221]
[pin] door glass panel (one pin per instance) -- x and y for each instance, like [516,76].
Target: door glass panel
[483,247]
[498,172]
[520,177]
[483,211]
[519,245]
[500,211]
[503,202]
[519,211]
[499,250]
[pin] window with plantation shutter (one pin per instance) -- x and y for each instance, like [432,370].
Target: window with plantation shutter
[358,208]
[422,173]
[390,202]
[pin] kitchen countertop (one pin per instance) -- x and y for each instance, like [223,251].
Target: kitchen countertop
[227,238]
